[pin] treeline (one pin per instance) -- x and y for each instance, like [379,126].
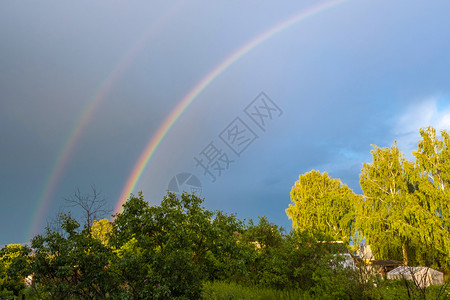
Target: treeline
[180,250]
[168,252]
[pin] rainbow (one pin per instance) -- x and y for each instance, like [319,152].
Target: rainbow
[153,144]
[88,111]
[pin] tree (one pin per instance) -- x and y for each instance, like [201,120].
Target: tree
[92,206]
[381,218]
[264,254]
[70,262]
[13,263]
[166,251]
[294,261]
[404,212]
[264,234]
[323,205]
[431,175]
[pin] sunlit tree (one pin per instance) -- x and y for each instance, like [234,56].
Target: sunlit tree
[13,264]
[323,205]
[381,219]
[431,175]
[102,230]
[404,212]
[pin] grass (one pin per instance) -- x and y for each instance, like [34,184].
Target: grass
[388,290]
[228,291]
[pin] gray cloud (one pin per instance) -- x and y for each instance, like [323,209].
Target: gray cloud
[345,79]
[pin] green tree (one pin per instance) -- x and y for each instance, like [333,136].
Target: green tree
[404,212]
[71,263]
[166,251]
[13,265]
[381,213]
[264,234]
[323,205]
[264,255]
[295,261]
[431,175]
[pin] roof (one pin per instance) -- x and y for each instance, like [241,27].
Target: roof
[414,270]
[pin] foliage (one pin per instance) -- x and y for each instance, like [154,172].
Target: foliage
[431,177]
[101,230]
[74,264]
[381,218]
[323,205]
[383,289]
[168,251]
[405,290]
[264,255]
[13,261]
[173,247]
[72,259]
[298,260]
[180,250]
[404,213]
[264,234]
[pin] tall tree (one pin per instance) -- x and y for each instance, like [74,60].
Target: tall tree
[323,205]
[432,178]
[381,212]
[404,212]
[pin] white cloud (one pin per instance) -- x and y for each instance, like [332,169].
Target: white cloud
[433,111]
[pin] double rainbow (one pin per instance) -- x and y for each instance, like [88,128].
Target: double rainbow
[133,179]
[81,123]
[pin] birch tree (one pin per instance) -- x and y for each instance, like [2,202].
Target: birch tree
[432,177]
[381,217]
[405,209]
[323,205]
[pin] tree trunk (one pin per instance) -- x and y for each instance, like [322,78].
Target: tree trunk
[405,255]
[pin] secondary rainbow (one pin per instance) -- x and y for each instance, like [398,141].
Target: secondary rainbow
[153,144]
[81,123]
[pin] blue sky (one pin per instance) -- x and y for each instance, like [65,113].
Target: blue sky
[359,73]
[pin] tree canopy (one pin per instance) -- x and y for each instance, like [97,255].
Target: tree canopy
[324,205]
[404,211]
[381,213]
